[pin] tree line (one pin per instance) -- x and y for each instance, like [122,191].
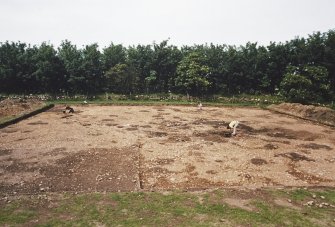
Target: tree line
[302,69]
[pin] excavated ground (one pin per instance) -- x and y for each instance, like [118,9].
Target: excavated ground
[130,148]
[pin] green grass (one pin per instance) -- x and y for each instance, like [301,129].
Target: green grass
[164,102]
[167,209]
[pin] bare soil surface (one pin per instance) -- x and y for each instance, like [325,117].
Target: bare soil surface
[14,107]
[131,148]
[315,113]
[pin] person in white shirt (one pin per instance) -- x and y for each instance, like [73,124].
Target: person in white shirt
[233,125]
[200,106]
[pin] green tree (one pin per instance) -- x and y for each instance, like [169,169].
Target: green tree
[305,84]
[49,70]
[92,69]
[72,59]
[296,88]
[165,61]
[122,79]
[191,75]
[140,58]
[112,55]
[16,68]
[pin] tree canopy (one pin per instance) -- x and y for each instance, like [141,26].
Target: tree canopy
[293,66]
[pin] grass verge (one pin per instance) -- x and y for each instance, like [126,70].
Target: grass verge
[209,208]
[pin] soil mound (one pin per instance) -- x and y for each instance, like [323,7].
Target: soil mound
[14,107]
[322,115]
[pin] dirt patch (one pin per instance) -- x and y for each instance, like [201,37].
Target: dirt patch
[302,175]
[258,161]
[285,203]
[211,172]
[178,138]
[9,130]
[211,135]
[5,152]
[320,114]
[14,107]
[186,150]
[165,161]
[291,134]
[107,120]
[38,123]
[295,157]
[315,146]
[270,146]
[108,124]
[88,170]
[240,203]
[156,134]
[213,123]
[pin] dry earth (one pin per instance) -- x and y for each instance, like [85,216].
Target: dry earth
[14,107]
[130,148]
[320,114]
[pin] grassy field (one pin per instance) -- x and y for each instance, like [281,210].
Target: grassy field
[208,208]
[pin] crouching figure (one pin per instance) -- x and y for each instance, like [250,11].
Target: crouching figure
[232,126]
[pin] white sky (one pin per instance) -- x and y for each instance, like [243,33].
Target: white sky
[185,22]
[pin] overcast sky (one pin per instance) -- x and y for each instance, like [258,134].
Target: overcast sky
[185,22]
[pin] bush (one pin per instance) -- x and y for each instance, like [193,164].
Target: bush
[305,84]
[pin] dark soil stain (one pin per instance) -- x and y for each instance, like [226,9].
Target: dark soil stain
[111,124]
[9,130]
[279,133]
[5,151]
[164,161]
[315,146]
[301,175]
[17,166]
[270,146]
[107,120]
[258,161]
[173,124]
[213,123]
[156,134]
[59,149]
[146,126]
[295,157]
[211,172]
[144,111]
[66,116]
[26,131]
[291,134]
[159,116]
[95,133]
[92,170]
[211,135]
[113,115]
[178,138]
[277,141]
